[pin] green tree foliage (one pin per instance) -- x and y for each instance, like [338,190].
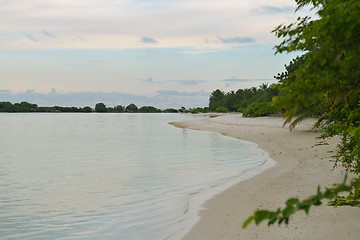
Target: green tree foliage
[86,109]
[312,106]
[198,110]
[222,109]
[260,109]
[100,108]
[324,81]
[30,107]
[220,101]
[328,76]
[110,109]
[131,108]
[18,107]
[216,99]
[148,109]
[170,110]
[182,109]
[119,109]
[25,106]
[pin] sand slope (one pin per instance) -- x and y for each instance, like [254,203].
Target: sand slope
[301,167]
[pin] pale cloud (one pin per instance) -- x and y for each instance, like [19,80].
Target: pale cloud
[141,50]
[221,42]
[274,10]
[236,40]
[199,51]
[172,83]
[31,37]
[186,99]
[42,36]
[148,40]
[148,80]
[247,82]
[49,34]
[120,24]
[183,94]
[189,82]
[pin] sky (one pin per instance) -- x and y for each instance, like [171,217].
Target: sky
[164,53]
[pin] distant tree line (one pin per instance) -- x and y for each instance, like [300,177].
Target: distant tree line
[132,108]
[252,102]
[99,107]
[30,107]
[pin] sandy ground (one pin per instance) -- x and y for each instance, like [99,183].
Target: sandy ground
[301,166]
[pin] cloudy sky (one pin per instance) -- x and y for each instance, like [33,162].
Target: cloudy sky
[167,53]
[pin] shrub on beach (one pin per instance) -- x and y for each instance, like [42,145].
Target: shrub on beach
[221,109]
[260,109]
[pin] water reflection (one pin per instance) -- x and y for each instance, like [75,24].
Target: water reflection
[118,176]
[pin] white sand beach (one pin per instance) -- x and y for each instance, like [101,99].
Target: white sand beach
[301,166]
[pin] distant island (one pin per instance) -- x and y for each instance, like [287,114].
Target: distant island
[252,102]
[26,107]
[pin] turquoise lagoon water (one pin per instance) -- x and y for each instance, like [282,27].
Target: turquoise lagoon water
[112,176]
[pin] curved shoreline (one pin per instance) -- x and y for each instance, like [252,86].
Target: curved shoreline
[301,166]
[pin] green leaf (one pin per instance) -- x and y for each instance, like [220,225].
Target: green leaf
[292,201]
[288,211]
[261,215]
[248,221]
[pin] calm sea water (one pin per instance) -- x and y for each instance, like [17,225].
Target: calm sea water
[111,176]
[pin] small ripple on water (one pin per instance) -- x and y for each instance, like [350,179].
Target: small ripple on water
[109,176]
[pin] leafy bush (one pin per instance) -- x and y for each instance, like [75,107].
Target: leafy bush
[197,110]
[222,109]
[282,215]
[353,199]
[260,109]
